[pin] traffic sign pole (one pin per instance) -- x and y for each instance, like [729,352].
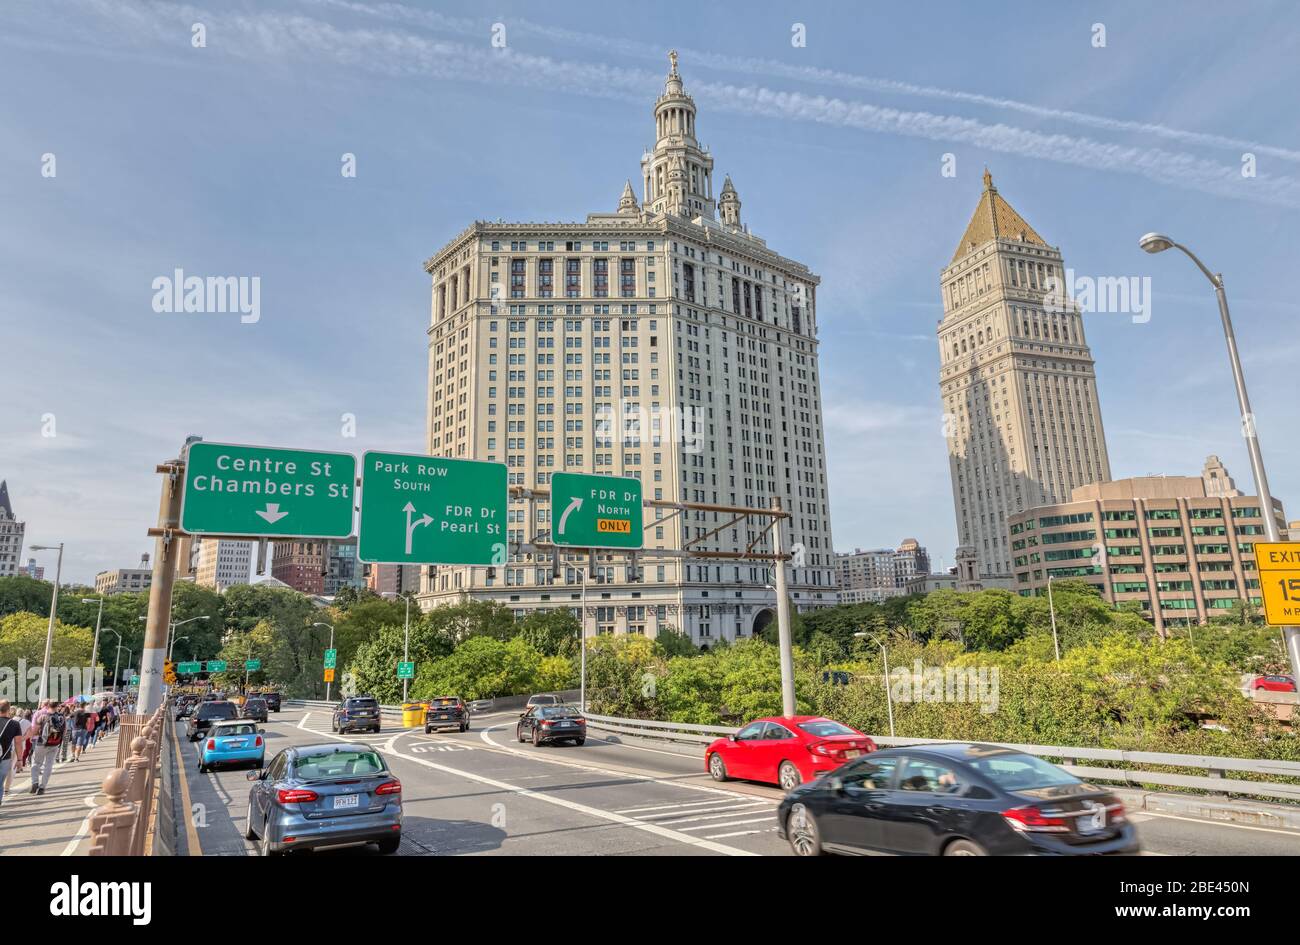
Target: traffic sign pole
[783,618]
[166,548]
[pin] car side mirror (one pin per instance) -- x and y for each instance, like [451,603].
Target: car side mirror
[255,775]
[523,715]
[261,731]
[732,737]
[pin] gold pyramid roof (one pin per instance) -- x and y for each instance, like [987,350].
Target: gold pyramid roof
[994,218]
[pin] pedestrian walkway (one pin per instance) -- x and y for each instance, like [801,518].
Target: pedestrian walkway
[55,823]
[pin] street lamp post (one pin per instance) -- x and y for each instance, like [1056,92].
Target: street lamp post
[117,653]
[1158,243]
[171,653]
[582,645]
[406,644]
[49,634]
[331,646]
[94,647]
[889,693]
[1051,609]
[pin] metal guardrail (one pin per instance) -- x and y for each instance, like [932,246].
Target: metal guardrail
[1215,779]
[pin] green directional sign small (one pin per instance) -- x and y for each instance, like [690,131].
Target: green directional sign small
[252,665]
[405,670]
[331,658]
[256,490]
[596,511]
[135,680]
[430,510]
[216,666]
[189,669]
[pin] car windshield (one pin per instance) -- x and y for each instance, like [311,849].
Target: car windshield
[825,728]
[1022,772]
[242,728]
[339,763]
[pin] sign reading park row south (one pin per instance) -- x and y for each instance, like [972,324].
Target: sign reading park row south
[418,509]
[596,511]
[256,490]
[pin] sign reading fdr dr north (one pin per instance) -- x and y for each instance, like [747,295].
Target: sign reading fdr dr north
[595,511]
[257,490]
[430,510]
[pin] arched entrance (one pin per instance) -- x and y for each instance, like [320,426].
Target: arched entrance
[762,619]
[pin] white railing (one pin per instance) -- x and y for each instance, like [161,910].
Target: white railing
[1215,778]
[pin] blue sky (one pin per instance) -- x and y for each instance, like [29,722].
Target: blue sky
[225,160]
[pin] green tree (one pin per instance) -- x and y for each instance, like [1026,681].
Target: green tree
[550,632]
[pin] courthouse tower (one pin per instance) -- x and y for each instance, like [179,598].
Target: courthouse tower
[654,341]
[1017,381]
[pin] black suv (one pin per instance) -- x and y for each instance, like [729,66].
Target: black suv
[356,714]
[446,712]
[272,700]
[205,713]
[255,708]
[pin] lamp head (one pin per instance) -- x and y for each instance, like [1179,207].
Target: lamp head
[1155,243]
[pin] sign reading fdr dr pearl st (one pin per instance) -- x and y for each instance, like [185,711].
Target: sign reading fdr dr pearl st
[1279,581]
[595,511]
[257,490]
[431,510]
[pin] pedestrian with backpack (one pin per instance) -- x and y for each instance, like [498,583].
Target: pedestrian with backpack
[10,740]
[49,728]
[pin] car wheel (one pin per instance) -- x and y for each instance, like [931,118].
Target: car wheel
[579,741]
[389,845]
[203,769]
[264,846]
[519,734]
[788,776]
[964,848]
[718,768]
[249,832]
[427,730]
[801,828]
[537,738]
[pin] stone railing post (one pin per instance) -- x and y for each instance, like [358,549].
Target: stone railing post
[112,823]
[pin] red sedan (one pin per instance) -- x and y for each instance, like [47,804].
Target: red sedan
[785,751]
[1275,683]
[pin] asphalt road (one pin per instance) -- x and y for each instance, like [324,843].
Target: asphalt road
[482,792]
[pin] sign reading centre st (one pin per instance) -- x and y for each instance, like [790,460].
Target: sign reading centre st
[431,510]
[595,511]
[257,490]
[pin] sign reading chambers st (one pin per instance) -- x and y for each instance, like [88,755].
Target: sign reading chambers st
[256,490]
[431,510]
[596,511]
[1279,581]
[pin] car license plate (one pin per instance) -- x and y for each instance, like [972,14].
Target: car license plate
[853,753]
[232,746]
[342,801]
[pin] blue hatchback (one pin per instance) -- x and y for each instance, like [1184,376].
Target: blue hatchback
[237,742]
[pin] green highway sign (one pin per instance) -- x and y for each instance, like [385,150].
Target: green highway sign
[405,670]
[252,665]
[331,657]
[189,669]
[216,666]
[135,680]
[596,511]
[430,510]
[256,491]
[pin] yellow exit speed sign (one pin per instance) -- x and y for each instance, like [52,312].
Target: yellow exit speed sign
[1279,579]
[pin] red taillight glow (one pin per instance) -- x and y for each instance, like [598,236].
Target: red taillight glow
[295,796]
[212,744]
[389,787]
[1032,820]
[257,742]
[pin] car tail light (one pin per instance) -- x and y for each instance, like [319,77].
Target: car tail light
[212,744]
[1115,812]
[295,796]
[547,724]
[257,742]
[828,750]
[390,787]
[1030,819]
[581,721]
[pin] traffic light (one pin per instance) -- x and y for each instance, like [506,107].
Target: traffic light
[169,673]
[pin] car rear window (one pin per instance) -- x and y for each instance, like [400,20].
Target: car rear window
[255,704]
[1022,772]
[361,704]
[218,710]
[557,712]
[242,728]
[825,728]
[543,700]
[444,701]
[342,763]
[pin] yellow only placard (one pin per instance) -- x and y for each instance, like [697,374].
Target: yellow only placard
[329,675]
[1279,580]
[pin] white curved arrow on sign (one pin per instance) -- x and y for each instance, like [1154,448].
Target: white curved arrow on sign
[574,503]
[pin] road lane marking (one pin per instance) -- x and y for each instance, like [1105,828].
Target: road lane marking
[610,816]
[191,834]
[691,820]
[736,808]
[1220,823]
[737,823]
[641,810]
[71,848]
[738,833]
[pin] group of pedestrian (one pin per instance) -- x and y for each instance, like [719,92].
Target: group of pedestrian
[54,733]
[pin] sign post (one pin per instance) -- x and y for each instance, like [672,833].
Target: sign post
[596,511]
[431,510]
